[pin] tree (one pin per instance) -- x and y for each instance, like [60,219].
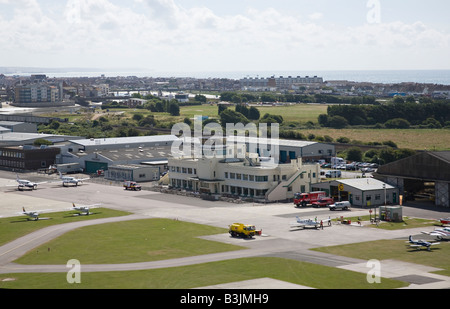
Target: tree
[397,123]
[337,122]
[230,116]
[269,118]
[137,117]
[253,113]
[323,120]
[200,98]
[354,154]
[174,109]
[40,141]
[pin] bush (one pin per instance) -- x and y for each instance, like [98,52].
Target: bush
[397,123]
[337,122]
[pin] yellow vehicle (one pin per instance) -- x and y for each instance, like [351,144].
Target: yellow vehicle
[243,230]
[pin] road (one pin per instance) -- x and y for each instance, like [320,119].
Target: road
[274,220]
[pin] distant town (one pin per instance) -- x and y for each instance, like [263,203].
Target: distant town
[50,91]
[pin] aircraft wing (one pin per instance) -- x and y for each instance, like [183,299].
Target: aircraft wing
[88,206]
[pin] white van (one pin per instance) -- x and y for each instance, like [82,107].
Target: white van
[345,205]
[333,174]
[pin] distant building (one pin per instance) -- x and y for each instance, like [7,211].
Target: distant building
[133,102]
[281,82]
[37,93]
[14,126]
[182,97]
[27,157]
[133,172]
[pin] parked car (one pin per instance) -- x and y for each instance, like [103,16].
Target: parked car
[323,202]
[345,205]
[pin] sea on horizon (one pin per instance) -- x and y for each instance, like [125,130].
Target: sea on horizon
[441,77]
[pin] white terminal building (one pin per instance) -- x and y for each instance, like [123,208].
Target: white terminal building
[241,174]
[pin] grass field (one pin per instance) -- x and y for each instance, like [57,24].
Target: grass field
[15,227]
[129,242]
[299,114]
[206,274]
[417,139]
[155,239]
[395,249]
[296,113]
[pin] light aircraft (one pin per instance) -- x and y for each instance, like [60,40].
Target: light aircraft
[308,222]
[68,180]
[34,214]
[421,243]
[84,210]
[27,184]
[440,234]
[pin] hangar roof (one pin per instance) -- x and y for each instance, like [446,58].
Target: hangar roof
[125,140]
[365,184]
[431,166]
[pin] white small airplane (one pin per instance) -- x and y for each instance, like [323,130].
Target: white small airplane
[308,222]
[71,180]
[421,243]
[27,184]
[34,214]
[83,210]
[440,234]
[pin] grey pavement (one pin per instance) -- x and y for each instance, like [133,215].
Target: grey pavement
[274,220]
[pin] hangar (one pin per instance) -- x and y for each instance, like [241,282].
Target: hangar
[424,176]
[364,192]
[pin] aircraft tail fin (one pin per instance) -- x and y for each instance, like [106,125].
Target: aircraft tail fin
[23,209]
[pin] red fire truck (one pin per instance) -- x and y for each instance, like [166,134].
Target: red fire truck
[303,199]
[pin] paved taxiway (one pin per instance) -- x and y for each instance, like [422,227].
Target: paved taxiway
[273,219]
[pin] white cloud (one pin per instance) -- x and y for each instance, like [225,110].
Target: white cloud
[315,16]
[163,35]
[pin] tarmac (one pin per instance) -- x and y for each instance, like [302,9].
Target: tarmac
[277,238]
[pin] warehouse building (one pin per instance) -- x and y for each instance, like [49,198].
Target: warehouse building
[132,172]
[101,154]
[424,177]
[364,192]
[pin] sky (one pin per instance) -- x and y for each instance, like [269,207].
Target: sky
[232,35]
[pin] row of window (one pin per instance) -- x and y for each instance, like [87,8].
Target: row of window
[237,176]
[10,163]
[246,177]
[226,189]
[12,154]
[184,170]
